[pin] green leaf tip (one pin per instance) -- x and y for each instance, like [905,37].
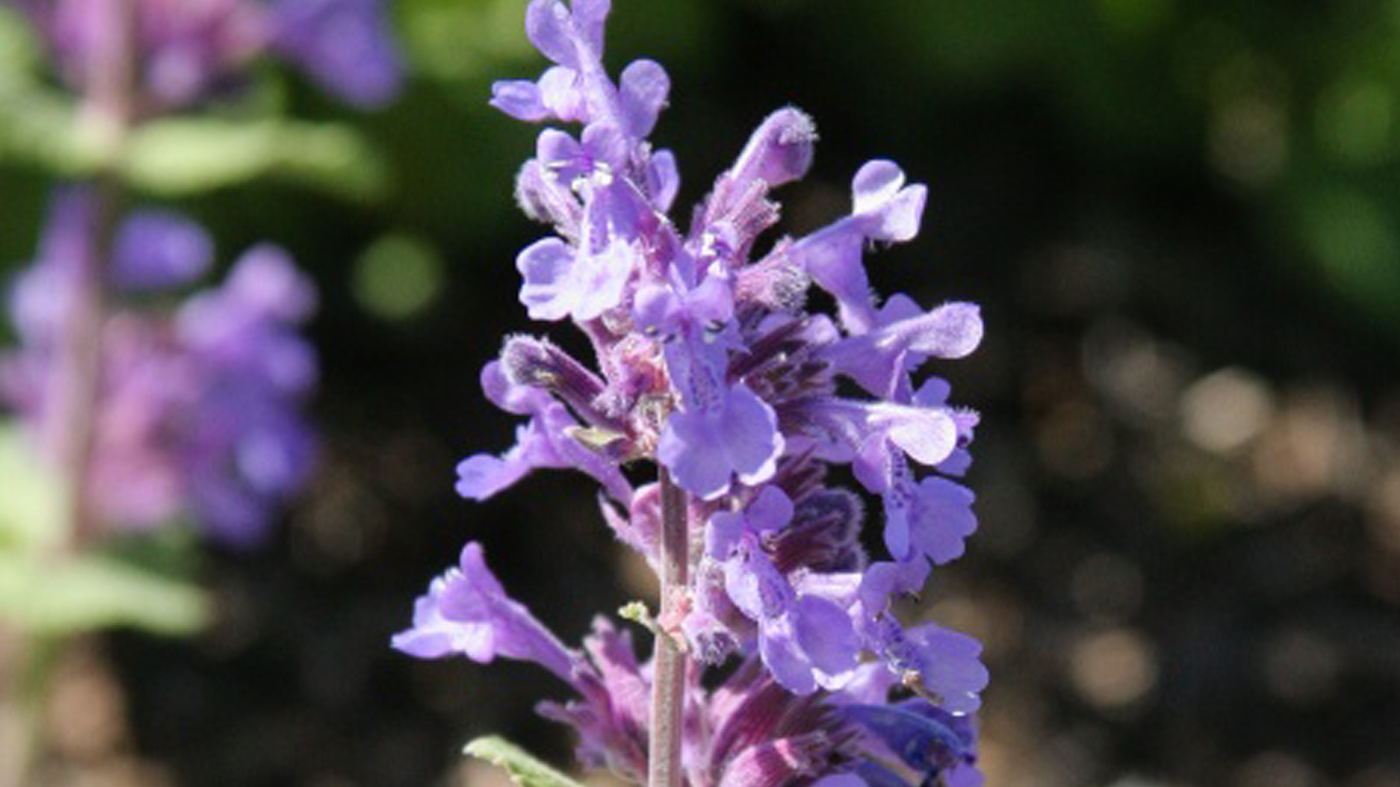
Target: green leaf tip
[522,767]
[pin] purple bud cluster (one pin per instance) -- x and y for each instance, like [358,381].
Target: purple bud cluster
[188,49]
[709,364]
[199,408]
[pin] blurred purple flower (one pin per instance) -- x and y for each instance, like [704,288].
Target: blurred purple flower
[157,250]
[344,45]
[199,409]
[187,50]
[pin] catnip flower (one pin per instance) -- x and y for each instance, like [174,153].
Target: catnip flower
[709,365]
[189,50]
[198,412]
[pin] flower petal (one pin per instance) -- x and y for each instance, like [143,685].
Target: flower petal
[546,291]
[550,28]
[643,87]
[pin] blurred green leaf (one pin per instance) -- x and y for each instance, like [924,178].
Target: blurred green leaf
[40,127]
[452,40]
[1355,244]
[61,595]
[180,156]
[31,506]
[19,52]
[187,155]
[523,768]
[44,591]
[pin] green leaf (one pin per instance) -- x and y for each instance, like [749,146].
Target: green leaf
[19,51]
[176,157]
[523,768]
[180,156]
[52,595]
[31,508]
[40,126]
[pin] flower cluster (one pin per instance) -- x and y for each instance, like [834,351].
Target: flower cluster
[749,731]
[188,49]
[155,408]
[199,407]
[709,363]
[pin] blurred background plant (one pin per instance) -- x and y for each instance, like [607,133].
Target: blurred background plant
[146,412]
[1180,218]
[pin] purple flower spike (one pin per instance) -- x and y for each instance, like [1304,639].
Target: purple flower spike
[156,250]
[190,50]
[709,363]
[343,44]
[252,448]
[199,408]
[467,611]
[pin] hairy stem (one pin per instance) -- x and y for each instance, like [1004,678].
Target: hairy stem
[668,673]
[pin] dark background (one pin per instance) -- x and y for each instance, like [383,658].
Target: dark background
[1182,220]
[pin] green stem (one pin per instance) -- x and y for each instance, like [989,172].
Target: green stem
[668,671]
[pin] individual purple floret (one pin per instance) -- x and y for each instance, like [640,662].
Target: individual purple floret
[926,738]
[188,50]
[709,366]
[198,410]
[158,250]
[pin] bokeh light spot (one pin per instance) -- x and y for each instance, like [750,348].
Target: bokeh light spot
[397,277]
[1224,410]
[1113,669]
